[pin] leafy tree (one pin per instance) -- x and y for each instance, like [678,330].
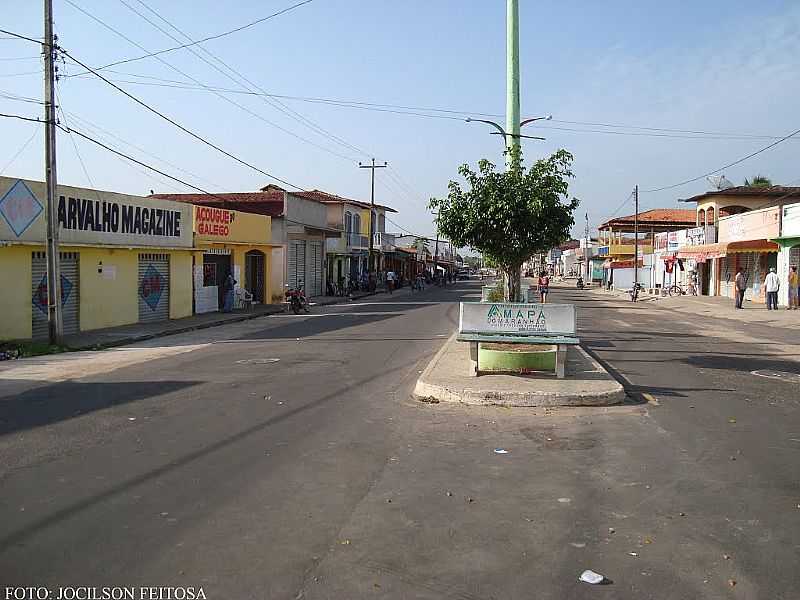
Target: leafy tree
[509,215]
[758,181]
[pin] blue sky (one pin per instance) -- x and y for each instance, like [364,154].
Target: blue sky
[712,66]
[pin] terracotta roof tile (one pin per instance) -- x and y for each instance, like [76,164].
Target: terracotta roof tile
[264,203]
[665,216]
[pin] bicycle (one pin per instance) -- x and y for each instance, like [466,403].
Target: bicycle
[676,290]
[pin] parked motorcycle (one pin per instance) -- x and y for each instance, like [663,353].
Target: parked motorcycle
[297,300]
[579,283]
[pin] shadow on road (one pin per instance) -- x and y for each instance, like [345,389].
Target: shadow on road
[730,362]
[62,401]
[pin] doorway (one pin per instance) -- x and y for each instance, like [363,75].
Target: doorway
[254,274]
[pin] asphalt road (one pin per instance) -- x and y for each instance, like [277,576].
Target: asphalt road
[199,460]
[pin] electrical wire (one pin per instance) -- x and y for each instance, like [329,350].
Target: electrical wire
[186,130]
[19,152]
[206,39]
[270,101]
[187,76]
[94,129]
[736,162]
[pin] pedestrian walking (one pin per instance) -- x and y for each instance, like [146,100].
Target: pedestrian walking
[740,285]
[544,286]
[794,289]
[772,285]
[228,289]
[390,279]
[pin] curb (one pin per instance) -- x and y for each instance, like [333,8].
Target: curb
[464,395]
[132,339]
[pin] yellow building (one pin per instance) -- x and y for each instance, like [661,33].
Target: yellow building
[124,259]
[230,241]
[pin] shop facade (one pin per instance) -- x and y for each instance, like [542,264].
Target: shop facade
[124,259]
[789,254]
[230,242]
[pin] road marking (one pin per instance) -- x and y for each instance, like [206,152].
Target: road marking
[782,375]
[650,399]
[389,303]
[339,314]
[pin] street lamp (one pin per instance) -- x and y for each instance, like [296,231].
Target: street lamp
[501,131]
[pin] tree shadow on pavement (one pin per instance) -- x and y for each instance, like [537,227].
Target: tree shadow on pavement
[62,401]
[740,363]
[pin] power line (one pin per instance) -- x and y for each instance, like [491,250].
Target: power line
[207,39]
[270,101]
[93,126]
[178,125]
[736,162]
[177,70]
[130,158]
[20,151]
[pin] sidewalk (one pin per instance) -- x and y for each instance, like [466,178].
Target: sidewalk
[715,306]
[136,332]
[447,379]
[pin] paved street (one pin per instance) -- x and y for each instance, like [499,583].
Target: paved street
[199,460]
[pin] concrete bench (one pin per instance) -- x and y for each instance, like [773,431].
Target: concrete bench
[537,324]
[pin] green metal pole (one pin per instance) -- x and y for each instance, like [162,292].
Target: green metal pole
[512,79]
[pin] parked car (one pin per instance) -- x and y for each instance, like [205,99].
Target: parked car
[462,274]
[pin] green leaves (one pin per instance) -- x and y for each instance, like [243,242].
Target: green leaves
[509,215]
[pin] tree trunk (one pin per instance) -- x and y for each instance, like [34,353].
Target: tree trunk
[511,277]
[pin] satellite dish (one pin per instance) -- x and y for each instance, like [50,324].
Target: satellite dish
[720,182]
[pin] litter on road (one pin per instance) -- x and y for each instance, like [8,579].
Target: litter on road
[500,451]
[589,576]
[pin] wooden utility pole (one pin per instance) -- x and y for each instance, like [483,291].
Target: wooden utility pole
[54,314]
[636,238]
[372,167]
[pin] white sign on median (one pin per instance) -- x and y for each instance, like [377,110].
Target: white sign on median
[485,317]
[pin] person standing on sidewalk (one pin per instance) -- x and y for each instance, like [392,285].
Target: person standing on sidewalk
[390,278]
[794,289]
[544,286]
[228,290]
[740,285]
[772,285]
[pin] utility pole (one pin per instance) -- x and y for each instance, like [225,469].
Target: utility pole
[372,167]
[586,251]
[54,314]
[636,238]
[436,256]
[512,77]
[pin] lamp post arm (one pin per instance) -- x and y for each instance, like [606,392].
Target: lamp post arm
[500,130]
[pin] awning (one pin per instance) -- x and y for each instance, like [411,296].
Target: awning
[620,264]
[718,250]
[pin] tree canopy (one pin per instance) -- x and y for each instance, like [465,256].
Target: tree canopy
[509,215]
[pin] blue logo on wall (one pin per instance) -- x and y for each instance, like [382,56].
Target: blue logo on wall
[152,287]
[20,207]
[40,294]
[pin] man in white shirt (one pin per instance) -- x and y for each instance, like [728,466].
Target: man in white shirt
[390,279]
[772,285]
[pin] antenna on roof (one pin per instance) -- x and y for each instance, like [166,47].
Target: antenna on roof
[720,182]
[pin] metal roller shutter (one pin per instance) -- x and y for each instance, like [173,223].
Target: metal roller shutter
[748,263]
[727,277]
[315,275]
[70,301]
[297,264]
[153,287]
